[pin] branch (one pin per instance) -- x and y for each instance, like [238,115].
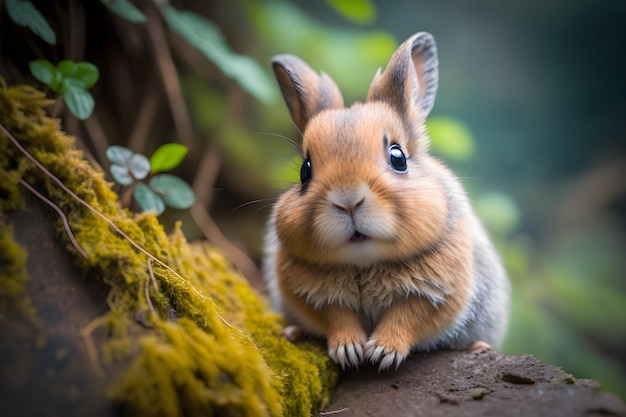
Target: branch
[143,122]
[169,76]
[204,180]
[237,256]
[98,137]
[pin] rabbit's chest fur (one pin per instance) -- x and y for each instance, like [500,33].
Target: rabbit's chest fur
[371,291]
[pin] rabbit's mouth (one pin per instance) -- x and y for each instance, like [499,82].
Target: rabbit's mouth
[358,237]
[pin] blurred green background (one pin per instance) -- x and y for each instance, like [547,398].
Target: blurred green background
[530,114]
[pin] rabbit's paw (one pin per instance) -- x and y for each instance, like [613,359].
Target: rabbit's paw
[385,355]
[292,333]
[347,352]
[480,346]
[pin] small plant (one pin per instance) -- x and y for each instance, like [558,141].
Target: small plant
[150,188]
[71,80]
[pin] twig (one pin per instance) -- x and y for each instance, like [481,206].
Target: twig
[75,37]
[98,137]
[170,77]
[60,213]
[237,256]
[58,107]
[204,180]
[147,287]
[74,45]
[330,413]
[154,283]
[143,121]
[91,346]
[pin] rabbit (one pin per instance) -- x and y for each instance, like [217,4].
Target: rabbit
[377,249]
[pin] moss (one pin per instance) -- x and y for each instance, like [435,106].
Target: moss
[210,345]
[13,276]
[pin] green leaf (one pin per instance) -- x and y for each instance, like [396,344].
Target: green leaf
[79,102]
[119,155]
[147,199]
[250,76]
[66,75]
[65,67]
[358,11]
[82,74]
[450,137]
[125,9]
[203,35]
[120,174]
[139,166]
[25,14]
[167,157]
[175,192]
[43,71]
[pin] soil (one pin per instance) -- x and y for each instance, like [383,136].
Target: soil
[485,383]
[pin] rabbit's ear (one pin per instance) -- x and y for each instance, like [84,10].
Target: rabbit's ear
[409,83]
[305,92]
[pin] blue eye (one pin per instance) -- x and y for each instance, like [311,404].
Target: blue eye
[306,171]
[397,159]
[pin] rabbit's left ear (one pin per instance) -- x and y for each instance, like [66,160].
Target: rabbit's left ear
[305,92]
[409,83]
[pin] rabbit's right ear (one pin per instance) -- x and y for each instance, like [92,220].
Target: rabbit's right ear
[409,83]
[305,92]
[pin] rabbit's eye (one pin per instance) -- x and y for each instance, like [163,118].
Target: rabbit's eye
[397,159]
[306,171]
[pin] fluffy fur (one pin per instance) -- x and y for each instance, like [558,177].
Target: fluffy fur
[377,260]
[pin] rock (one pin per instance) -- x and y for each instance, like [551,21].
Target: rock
[470,384]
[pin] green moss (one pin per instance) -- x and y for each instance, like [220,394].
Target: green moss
[212,346]
[13,276]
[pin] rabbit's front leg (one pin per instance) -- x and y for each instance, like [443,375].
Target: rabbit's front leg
[406,323]
[345,335]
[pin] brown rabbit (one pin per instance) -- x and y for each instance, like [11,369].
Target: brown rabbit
[378,248]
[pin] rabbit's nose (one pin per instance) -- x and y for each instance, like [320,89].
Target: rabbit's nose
[349,206]
[347,200]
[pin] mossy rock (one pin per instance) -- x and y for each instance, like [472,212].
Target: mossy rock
[180,334]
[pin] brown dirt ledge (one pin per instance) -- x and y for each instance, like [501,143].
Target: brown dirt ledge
[470,384]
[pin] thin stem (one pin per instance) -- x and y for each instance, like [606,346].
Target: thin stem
[98,137]
[143,121]
[205,178]
[333,412]
[58,106]
[169,76]
[92,351]
[61,214]
[147,287]
[233,253]
[154,283]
